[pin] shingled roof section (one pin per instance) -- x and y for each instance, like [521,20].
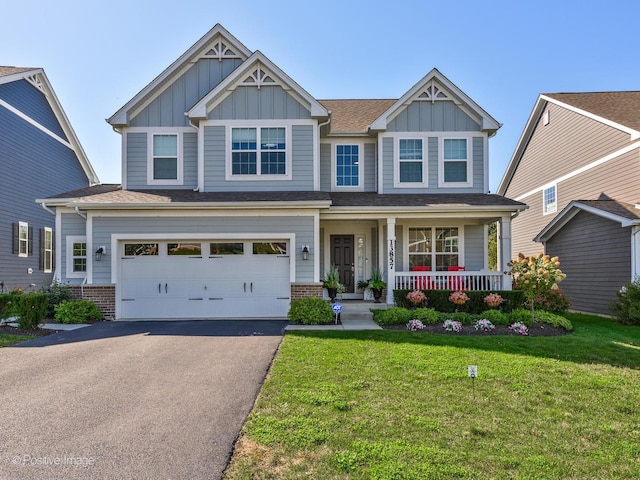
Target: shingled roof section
[355,116]
[621,209]
[619,107]
[6,71]
[372,199]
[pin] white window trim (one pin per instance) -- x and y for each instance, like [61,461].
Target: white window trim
[229,176]
[334,161]
[48,252]
[441,162]
[396,161]
[22,241]
[549,211]
[433,226]
[150,157]
[71,239]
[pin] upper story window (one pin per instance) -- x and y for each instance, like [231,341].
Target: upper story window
[347,167]
[410,163]
[549,201]
[165,159]
[259,153]
[455,169]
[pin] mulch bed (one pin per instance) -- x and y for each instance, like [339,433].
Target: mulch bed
[536,330]
[39,332]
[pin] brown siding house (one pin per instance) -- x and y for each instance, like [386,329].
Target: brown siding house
[577,166]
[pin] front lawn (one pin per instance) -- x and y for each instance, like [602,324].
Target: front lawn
[394,404]
[7,340]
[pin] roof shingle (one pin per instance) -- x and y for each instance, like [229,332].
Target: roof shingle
[355,116]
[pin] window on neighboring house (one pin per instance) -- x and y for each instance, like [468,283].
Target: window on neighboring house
[46,249]
[455,165]
[22,239]
[429,247]
[165,162]
[259,151]
[347,166]
[76,256]
[549,200]
[410,161]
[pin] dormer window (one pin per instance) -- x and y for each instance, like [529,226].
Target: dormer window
[165,161]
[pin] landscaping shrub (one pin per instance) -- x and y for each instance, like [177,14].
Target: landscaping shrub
[553,301]
[58,293]
[495,316]
[428,316]
[8,305]
[439,300]
[627,307]
[310,311]
[521,315]
[395,316]
[553,320]
[77,311]
[462,317]
[31,309]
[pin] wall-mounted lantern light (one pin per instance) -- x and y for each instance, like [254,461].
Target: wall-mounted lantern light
[99,254]
[305,252]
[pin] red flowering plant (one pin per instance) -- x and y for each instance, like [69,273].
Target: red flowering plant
[416,297]
[493,300]
[458,298]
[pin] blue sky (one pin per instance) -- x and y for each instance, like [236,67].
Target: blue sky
[502,54]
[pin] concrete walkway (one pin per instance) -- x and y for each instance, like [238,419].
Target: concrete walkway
[356,315]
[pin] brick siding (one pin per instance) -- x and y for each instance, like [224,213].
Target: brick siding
[300,290]
[104,296]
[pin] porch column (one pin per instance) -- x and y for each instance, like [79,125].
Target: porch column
[391,258]
[504,242]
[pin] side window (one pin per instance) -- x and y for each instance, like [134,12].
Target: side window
[549,201]
[76,256]
[46,249]
[22,242]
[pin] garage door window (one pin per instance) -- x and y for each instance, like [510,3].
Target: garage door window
[186,248]
[270,248]
[223,248]
[138,249]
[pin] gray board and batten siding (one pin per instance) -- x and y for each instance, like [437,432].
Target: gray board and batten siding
[155,227]
[34,165]
[168,109]
[595,253]
[215,154]
[477,160]
[264,103]
[421,116]
[137,161]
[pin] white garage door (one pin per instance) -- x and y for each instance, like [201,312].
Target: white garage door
[212,279]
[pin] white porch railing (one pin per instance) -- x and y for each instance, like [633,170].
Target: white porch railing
[452,281]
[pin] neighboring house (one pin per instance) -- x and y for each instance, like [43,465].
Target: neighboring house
[240,189]
[577,166]
[40,155]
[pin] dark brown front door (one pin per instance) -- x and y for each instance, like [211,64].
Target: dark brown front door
[342,257]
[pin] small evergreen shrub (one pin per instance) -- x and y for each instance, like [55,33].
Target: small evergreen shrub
[8,305]
[31,309]
[428,316]
[553,320]
[395,316]
[627,307]
[521,315]
[495,316]
[310,311]
[553,301]
[462,317]
[77,311]
[58,293]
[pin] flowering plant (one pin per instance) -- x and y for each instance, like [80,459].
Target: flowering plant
[493,300]
[459,298]
[484,325]
[415,325]
[416,297]
[452,326]
[519,328]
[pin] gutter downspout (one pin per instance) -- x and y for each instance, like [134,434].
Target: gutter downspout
[83,215]
[47,209]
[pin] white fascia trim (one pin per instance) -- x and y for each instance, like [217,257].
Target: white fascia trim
[201,109]
[295,211]
[361,165]
[183,63]
[31,121]
[487,121]
[635,134]
[160,237]
[580,170]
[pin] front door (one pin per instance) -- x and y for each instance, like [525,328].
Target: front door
[342,247]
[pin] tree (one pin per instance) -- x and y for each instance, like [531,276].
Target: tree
[492,246]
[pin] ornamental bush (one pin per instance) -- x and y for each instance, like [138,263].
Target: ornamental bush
[428,316]
[439,300]
[395,316]
[77,311]
[58,293]
[8,305]
[495,316]
[553,301]
[310,311]
[626,308]
[521,315]
[31,309]
[553,320]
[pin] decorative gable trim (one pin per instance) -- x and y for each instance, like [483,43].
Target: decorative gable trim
[434,86]
[217,43]
[256,71]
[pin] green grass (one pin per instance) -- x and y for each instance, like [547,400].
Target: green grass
[394,404]
[7,340]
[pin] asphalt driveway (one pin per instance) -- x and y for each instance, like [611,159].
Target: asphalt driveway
[162,400]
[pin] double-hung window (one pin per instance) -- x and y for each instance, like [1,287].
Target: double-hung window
[455,164]
[76,256]
[259,152]
[165,161]
[410,167]
[549,201]
[348,167]
[47,249]
[23,239]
